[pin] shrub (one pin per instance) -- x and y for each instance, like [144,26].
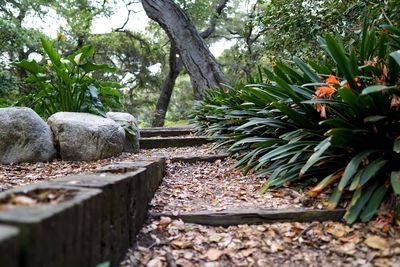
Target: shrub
[66,83]
[336,123]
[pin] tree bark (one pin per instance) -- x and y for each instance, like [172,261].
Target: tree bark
[203,68]
[176,66]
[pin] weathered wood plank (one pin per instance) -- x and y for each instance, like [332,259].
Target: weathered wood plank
[256,216]
[193,159]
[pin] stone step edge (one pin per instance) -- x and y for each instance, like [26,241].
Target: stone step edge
[194,159]
[152,174]
[148,143]
[165,132]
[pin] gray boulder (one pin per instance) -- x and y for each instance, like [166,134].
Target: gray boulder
[85,137]
[24,137]
[131,143]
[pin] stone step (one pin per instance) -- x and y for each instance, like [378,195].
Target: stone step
[96,221]
[165,131]
[194,159]
[164,142]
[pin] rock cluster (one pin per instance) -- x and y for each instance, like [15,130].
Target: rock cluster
[25,137]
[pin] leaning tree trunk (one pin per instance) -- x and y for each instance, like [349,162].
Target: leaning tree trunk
[201,65]
[176,66]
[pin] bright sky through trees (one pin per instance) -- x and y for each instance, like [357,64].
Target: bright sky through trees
[138,21]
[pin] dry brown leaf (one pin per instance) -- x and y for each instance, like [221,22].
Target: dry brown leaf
[338,230]
[213,254]
[215,238]
[247,252]
[157,262]
[23,200]
[347,248]
[276,246]
[376,242]
[352,238]
[164,221]
[181,244]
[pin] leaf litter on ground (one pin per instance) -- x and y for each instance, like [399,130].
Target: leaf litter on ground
[216,187]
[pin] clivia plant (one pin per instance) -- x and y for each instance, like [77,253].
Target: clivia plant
[332,125]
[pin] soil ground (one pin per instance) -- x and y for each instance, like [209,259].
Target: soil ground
[216,187]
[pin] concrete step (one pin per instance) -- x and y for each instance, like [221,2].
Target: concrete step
[165,131]
[164,142]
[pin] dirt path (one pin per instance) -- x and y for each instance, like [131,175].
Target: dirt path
[214,187]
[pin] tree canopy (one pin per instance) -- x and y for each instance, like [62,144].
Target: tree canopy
[254,33]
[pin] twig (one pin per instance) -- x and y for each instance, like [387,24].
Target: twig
[126,22]
[386,17]
[308,228]
[170,260]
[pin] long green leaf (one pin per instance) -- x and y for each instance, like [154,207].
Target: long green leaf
[371,170]
[395,181]
[298,118]
[396,56]
[373,204]
[31,66]
[307,70]
[51,52]
[89,67]
[358,203]
[352,168]
[316,156]
[376,89]
[342,61]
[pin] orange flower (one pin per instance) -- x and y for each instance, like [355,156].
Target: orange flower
[384,31]
[325,91]
[395,103]
[356,79]
[320,108]
[332,80]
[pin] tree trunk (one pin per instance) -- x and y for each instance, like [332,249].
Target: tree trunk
[201,65]
[175,67]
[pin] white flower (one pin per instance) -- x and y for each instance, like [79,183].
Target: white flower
[64,61]
[40,75]
[49,63]
[77,58]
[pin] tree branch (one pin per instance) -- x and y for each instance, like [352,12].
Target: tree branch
[213,22]
[119,29]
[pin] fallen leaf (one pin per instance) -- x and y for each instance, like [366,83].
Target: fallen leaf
[188,255]
[247,252]
[213,254]
[215,238]
[155,263]
[181,244]
[352,238]
[376,242]
[164,221]
[347,248]
[338,230]
[275,246]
